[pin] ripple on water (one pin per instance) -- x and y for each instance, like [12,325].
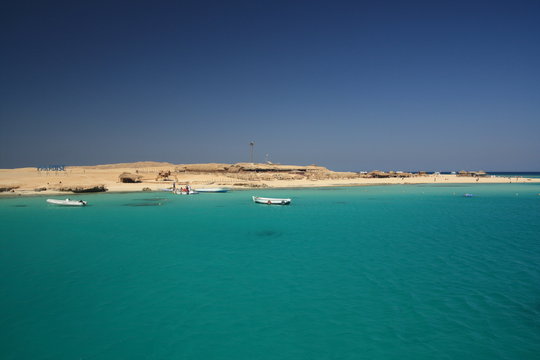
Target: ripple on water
[400,275]
[268,233]
[330,189]
[143,204]
[444,185]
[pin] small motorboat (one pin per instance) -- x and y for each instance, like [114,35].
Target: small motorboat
[185,192]
[468,195]
[212,190]
[271,201]
[67,202]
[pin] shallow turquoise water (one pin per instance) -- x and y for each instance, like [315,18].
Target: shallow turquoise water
[409,272]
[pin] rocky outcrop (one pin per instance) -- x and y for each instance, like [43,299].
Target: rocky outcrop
[83,188]
[378,174]
[480,173]
[250,167]
[391,174]
[202,168]
[126,177]
[5,188]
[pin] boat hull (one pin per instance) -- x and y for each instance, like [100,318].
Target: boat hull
[212,190]
[271,201]
[180,192]
[67,202]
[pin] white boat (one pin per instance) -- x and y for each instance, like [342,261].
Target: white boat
[271,201]
[67,202]
[212,190]
[185,192]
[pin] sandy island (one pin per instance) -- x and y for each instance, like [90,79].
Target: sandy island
[152,176]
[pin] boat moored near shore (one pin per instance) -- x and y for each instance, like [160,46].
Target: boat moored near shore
[67,202]
[271,201]
[184,190]
[212,190]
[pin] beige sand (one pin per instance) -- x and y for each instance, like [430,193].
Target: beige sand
[30,181]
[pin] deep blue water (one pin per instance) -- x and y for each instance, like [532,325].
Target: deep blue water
[379,272]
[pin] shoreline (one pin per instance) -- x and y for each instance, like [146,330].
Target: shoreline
[26,193]
[29,193]
[155,176]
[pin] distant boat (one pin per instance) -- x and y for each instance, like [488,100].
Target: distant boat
[185,192]
[468,195]
[212,190]
[271,201]
[67,202]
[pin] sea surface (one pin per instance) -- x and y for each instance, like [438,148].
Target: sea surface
[528,174]
[378,272]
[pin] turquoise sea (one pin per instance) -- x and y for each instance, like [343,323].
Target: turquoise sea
[380,272]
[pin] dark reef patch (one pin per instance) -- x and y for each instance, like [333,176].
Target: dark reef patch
[143,204]
[268,233]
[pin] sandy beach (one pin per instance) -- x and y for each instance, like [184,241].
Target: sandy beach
[31,181]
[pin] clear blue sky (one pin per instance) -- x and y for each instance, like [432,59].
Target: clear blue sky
[351,85]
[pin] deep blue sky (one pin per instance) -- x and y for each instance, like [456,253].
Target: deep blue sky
[351,85]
